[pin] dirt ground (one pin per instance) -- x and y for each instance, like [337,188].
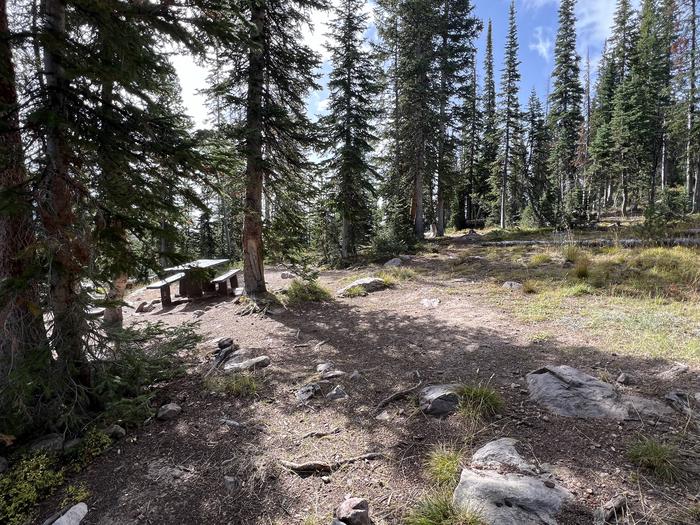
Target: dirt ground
[174,472]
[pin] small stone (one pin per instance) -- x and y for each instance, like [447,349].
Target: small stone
[550,484]
[337,393]
[332,374]
[324,367]
[430,303]
[355,375]
[4,465]
[393,263]
[624,379]
[308,391]
[169,411]
[115,432]
[142,307]
[383,416]
[231,482]
[439,400]
[326,479]
[198,313]
[230,423]
[74,515]
[48,443]
[225,343]
[247,365]
[288,275]
[673,372]
[512,286]
[353,511]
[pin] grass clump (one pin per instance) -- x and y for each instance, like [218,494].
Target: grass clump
[443,465]
[307,292]
[582,267]
[479,402]
[29,481]
[657,457]
[238,385]
[530,287]
[539,259]
[571,252]
[393,276]
[438,509]
[355,291]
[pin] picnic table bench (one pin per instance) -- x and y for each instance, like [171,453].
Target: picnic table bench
[164,287]
[223,280]
[196,277]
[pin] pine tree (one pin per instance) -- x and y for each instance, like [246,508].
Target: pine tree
[473,188]
[565,107]
[537,184]
[274,70]
[509,122]
[349,128]
[489,152]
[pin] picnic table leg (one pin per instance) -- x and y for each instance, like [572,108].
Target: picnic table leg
[181,288]
[222,288]
[234,284]
[165,296]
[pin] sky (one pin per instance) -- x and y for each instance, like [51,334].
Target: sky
[537,27]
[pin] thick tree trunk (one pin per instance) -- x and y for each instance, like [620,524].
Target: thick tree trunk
[22,333]
[346,238]
[253,269]
[69,254]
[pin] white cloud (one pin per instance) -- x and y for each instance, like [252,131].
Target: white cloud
[543,43]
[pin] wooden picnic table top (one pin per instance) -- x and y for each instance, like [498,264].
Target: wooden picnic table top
[199,264]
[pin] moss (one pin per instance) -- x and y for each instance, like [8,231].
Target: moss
[75,494]
[29,481]
[94,443]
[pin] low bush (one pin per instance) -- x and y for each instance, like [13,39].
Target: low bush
[307,292]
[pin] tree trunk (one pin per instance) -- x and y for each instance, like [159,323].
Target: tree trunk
[689,165]
[504,180]
[253,269]
[22,332]
[346,237]
[69,254]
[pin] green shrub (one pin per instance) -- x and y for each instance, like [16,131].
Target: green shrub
[479,401]
[443,465]
[239,385]
[30,480]
[438,509]
[306,292]
[355,291]
[387,244]
[657,457]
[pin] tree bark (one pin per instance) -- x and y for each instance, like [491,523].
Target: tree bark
[689,165]
[22,332]
[253,269]
[69,254]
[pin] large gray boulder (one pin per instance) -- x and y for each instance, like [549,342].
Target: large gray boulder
[73,516]
[439,400]
[353,511]
[501,452]
[514,495]
[247,364]
[48,443]
[510,498]
[368,284]
[568,392]
[393,263]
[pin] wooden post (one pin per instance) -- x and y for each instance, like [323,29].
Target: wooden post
[234,283]
[165,296]
[222,288]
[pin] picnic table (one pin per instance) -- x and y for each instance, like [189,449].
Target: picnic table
[196,278]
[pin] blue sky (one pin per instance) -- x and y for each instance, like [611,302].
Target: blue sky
[537,26]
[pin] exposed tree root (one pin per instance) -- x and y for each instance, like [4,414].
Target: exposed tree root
[319,467]
[396,396]
[321,434]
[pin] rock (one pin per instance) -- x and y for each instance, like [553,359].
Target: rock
[231,482]
[569,392]
[247,365]
[353,511]
[238,356]
[405,258]
[499,453]
[337,393]
[71,444]
[198,313]
[230,423]
[355,376]
[225,343]
[4,465]
[323,367]
[306,392]
[673,372]
[368,284]
[512,286]
[115,432]
[430,303]
[168,412]
[510,498]
[383,416]
[288,275]
[680,401]
[48,443]
[439,400]
[393,263]
[73,516]
[625,379]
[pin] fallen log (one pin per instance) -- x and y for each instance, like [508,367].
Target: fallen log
[320,467]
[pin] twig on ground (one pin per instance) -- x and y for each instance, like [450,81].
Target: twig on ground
[316,467]
[396,396]
[319,434]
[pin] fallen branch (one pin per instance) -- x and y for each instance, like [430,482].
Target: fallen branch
[319,434]
[318,467]
[396,396]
